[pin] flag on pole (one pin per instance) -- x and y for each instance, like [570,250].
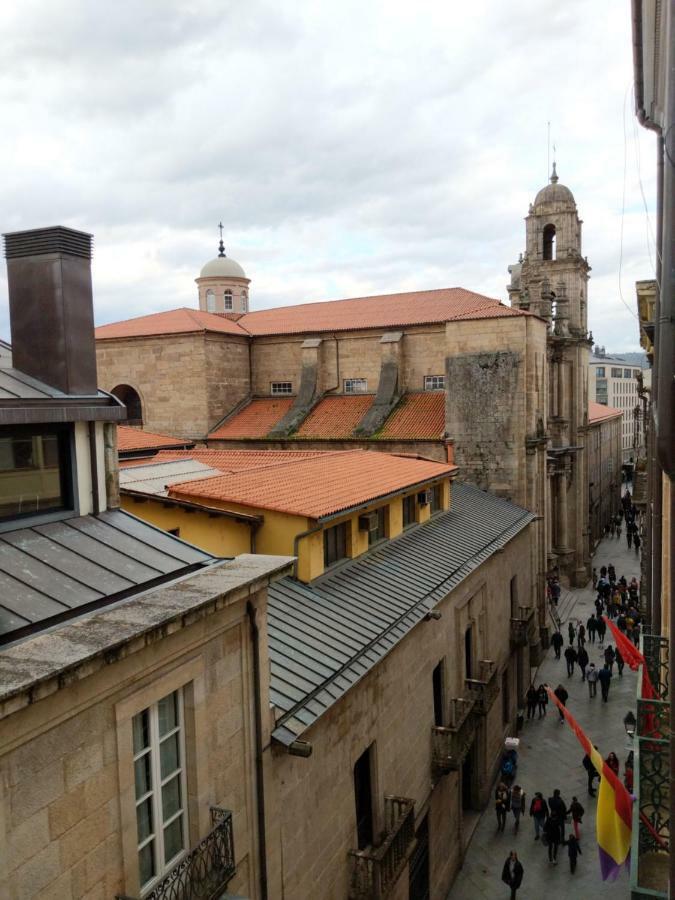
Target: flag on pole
[614,814]
[633,657]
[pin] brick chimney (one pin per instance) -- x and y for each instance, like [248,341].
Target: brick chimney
[51,308]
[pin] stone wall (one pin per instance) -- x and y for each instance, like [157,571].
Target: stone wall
[602,443]
[431,449]
[391,708]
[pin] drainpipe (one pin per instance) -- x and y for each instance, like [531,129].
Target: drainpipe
[260,785]
[93,468]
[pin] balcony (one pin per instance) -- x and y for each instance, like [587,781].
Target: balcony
[376,869]
[651,778]
[521,626]
[485,688]
[450,745]
[203,873]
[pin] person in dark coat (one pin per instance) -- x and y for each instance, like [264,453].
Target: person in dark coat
[573,850]
[604,677]
[539,812]
[557,641]
[581,635]
[582,662]
[542,700]
[557,810]
[610,656]
[502,804]
[512,873]
[602,628]
[531,698]
[562,695]
[619,662]
[552,835]
[591,772]
[570,658]
[636,542]
[591,626]
[577,811]
[571,630]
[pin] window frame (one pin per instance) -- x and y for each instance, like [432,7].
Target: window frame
[210,297]
[434,378]
[228,301]
[275,388]
[328,559]
[410,500]
[381,532]
[436,498]
[159,824]
[600,372]
[349,383]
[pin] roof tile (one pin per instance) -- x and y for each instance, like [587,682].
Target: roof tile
[254,420]
[418,416]
[129,439]
[598,411]
[172,321]
[336,416]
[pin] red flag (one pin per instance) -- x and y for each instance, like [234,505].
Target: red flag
[633,658]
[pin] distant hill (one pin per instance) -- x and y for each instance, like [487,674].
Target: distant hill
[633,359]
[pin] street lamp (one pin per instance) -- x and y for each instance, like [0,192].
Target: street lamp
[630,724]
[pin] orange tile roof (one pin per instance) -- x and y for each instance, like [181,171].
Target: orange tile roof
[237,460]
[598,411]
[129,439]
[173,321]
[335,416]
[321,486]
[384,311]
[418,416]
[254,420]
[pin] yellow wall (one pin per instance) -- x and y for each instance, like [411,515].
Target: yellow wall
[215,534]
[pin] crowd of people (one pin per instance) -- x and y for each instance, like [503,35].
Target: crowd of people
[630,514]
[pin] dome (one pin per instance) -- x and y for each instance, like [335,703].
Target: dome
[222,267]
[554,192]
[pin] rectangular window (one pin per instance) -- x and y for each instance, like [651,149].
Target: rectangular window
[363,799]
[636,372]
[437,684]
[281,387]
[159,777]
[434,382]
[599,371]
[627,373]
[355,385]
[379,533]
[436,498]
[514,596]
[616,373]
[35,470]
[409,509]
[334,544]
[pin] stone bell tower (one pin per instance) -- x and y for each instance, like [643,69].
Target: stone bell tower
[551,281]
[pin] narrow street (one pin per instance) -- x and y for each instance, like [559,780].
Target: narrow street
[550,757]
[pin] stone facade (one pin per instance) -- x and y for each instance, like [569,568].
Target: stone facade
[603,447]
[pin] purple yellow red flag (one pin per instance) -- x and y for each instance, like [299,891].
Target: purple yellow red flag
[614,813]
[633,657]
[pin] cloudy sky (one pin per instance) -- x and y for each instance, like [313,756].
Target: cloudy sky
[350,148]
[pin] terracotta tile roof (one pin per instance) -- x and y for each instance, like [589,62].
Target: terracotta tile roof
[254,420]
[385,311]
[129,439]
[237,460]
[335,417]
[597,412]
[326,484]
[173,321]
[420,416]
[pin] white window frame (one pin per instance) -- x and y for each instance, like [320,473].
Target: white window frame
[355,385]
[155,792]
[281,388]
[210,301]
[434,382]
[228,301]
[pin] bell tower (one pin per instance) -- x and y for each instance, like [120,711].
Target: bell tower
[550,280]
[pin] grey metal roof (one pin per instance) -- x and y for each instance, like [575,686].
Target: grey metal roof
[325,636]
[53,571]
[24,399]
[154,478]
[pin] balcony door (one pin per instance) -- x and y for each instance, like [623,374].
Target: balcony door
[418,887]
[363,797]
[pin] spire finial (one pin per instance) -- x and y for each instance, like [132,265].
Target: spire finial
[221,246]
[554,175]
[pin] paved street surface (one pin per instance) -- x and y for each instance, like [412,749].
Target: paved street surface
[550,757]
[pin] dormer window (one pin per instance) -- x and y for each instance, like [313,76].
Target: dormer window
[549,242]
[227,300]
[281,388]
[35,470]
[210,301]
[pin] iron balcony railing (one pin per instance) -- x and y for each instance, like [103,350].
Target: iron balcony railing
[485,688]
[450,744]
[203,873]
[376,869]
[521,626]
[651,778]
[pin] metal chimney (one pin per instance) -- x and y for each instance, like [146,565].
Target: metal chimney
[51,308]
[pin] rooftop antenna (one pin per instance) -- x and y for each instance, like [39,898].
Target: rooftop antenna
[221,246]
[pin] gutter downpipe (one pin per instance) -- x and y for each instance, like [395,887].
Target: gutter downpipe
[93,467]
[260,785]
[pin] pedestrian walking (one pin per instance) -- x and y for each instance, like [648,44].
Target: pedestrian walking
[531,698]
[581,635]
[598,607]
[592,678]
[604,677]
[562,695]
[512,873]
[571,630]
[591,773]
[552,835]
[577,811]
[557,810]
[636,542]
[618,658]
[610,656]
[573,850]
[591,626]
[594,579]
[517,805]
[613,763]
[557,641]
[539,812]
[542,699]
[582,662]
[502,798]
[602,628]
[611,573]
[570,659]
[629,534]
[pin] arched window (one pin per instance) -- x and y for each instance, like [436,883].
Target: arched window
[549,242]
[227,296]
[132,401]
[244,300]
[210,301]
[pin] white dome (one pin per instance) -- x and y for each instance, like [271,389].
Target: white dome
[222,267]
